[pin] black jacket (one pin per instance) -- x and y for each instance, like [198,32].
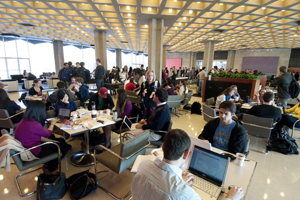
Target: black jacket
[83,94]
[108,102]
[100,72]
[237,140]
[159,119]
[283,82]
[266,111]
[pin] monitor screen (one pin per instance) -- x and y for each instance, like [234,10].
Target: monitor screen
[127,122]
[64,112]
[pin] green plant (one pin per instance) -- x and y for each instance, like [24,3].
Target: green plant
[237,75]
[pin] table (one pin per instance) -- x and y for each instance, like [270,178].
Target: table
[112,86]
[82,159]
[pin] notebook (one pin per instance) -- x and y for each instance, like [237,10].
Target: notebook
[210,171]
[63,113]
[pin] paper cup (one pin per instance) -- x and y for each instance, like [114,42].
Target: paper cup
[108,111]
[74,115]
[240,158]
[100,112]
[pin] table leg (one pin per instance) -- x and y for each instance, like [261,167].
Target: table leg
[83,159]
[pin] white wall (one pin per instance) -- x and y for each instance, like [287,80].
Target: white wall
[283,54]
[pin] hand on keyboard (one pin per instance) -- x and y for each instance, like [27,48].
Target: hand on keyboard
[235,193]
[188,178]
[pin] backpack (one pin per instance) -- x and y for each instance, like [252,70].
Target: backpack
[65,74]
[196,108]
[283,143]
[294,88]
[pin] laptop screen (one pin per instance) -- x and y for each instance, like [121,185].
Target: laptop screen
[50,92]
[209,165]
[127,122]
[64,113]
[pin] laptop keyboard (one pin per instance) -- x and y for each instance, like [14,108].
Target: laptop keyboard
[206,186]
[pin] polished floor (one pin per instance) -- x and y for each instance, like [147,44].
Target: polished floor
[277,176]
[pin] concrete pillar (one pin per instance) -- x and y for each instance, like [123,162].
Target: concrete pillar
[208,56]
[193,57]
[230,59]
[58,55]
[100,46]
[164,59]
[119,58]
[155,46]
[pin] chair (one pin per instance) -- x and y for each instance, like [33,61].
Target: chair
[295,128]
[133,98]
[186,100]
[258,127]
[159,142]
[246,150]
[209,113]
[210,102]
[24,165]
[5,120]
[174,101]
[122,156]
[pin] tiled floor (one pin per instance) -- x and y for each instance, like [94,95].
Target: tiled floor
[277,176]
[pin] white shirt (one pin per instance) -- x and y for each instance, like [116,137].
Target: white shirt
[159,180]
[181,91]
[220,99]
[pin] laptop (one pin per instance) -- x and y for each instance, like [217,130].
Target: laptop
[210,171]
[127,122]
[49,92]
[63,113]
[200,143]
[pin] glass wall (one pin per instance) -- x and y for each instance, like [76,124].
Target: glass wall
[134,60]
[111,59]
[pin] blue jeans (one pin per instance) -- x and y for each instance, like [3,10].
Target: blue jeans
[287,120]
[99,83]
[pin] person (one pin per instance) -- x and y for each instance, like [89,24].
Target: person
[4,86]
[30,133]
[173,76]
[63,100]
[236,96]
[99,74]
[36,88]
[259,98]
[216,69]
[183,90]
[113,75]
[200,76]
[123,75]
[283,81]
[53,75]
[53,97]
[160,117]
[130,86]
[224,132]
[169,87]
[79,71]
[191,74]
[65,74]
[287,119]
[148,89]
[142,69]
[141,78]
[164,179]
[102,100]
[11,107]
[130,72]
[267,110]
[164,76]
[225,96]
[87,74]
[71,88]
[81,91]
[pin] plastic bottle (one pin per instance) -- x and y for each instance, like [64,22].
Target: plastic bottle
[43,98]
[279,104]
[94,106]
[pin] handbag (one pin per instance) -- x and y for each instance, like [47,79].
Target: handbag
[51,186]
[81,184]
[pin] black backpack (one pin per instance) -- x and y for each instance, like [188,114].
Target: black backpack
[196,108]
[294,88]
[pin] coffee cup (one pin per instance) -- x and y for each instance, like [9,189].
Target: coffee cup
[240,158]
[74,115]
[100,112]
[108,111]
[94,114]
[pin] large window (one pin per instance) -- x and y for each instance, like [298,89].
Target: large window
[111,59]
[134,60]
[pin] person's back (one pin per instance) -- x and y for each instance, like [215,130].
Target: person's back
[266,111]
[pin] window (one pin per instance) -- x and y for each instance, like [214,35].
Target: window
[111,59]
[89,58]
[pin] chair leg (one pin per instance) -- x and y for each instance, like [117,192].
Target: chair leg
[114,196]
[18,185]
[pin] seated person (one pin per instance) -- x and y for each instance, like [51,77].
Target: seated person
[236,96]
[36,88]
[63,100]
[183,90]
[266,110]
[53,97]
[158,121]
[30,133]
[72,86]
[130,86]
[259,98]
[4,86]
[81,91]
[169,86]
[11,106]
[102,100]
[224,132]
[289,120]
[164,179]
[224,96]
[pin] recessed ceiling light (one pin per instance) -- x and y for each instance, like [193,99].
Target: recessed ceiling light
[87,26]
[102,26]
[175,27]
[266,16]
[242,5]
[263,8]
[128,7]
[190,11]
[130,24]
[77,28]
[184,18]
[283,10]
[149,8]
[82,3]
[146,25]
[175,0]
[37,1]
[170,10]
[198,1]
[179,23]
[129,20]
[230,13]
[72,24]
[118,30]
[295,35]
[221,3]
[129,14]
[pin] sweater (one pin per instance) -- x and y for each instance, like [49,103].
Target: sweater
[159,119]
[100,72]
[29,133]
[130,86]
[127,110]
[295,109]
[283,82]
[71,105]
[33,92]
[108,102]
[237,140]
[83,94]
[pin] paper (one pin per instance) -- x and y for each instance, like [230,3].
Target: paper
[139,159]
[63,127]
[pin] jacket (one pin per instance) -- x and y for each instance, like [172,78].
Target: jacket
[159,119]
[83,94]
[237,140]
[108,102]
[283,82]
[100,72]
[68,70]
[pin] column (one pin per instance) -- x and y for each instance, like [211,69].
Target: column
[119,58]
[164,59]
[58,55]
[155,46]
[193,57]
[230,59]
[100,47]
[208,56]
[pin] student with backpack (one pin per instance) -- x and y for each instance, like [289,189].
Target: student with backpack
[65,74]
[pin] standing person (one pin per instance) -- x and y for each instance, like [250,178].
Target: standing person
[87,74]
[99,74]
[191,75]
[30,133]
[140,77]
[130,72]
[79,71]
[200,76]
[81,91]
[124,74]
[283,81]
[65,74]
[164,76]
[36,88]
[142,69]
[148,89]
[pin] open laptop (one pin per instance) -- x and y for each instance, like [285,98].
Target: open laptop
[49,92]
[63,113]
[210,171]
[127,122]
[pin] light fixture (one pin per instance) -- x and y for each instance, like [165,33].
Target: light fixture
[175,0]
[130,24]
[295,35]
[198,1]
[283,10]
[242,5]
[149,8]
[175,27]
[117,27]
[77,28]
[170,10]
[221,4]
[87,26]
[82,3]
[190,11]
[179,23]
[146,25]
[230,13]
[129,20]
[72,24]
[184,18]
[128,7]
[118,30]
[129,14]
[263,8]
[102,26]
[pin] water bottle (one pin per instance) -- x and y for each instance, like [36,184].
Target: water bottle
[94,106]
[43,98]
[279,104]
[115,116]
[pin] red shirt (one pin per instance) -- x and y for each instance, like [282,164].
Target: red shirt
[130,86]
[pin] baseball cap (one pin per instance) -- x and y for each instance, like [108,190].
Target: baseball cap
[103,92]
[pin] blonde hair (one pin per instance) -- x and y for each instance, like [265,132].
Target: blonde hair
[149,71]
